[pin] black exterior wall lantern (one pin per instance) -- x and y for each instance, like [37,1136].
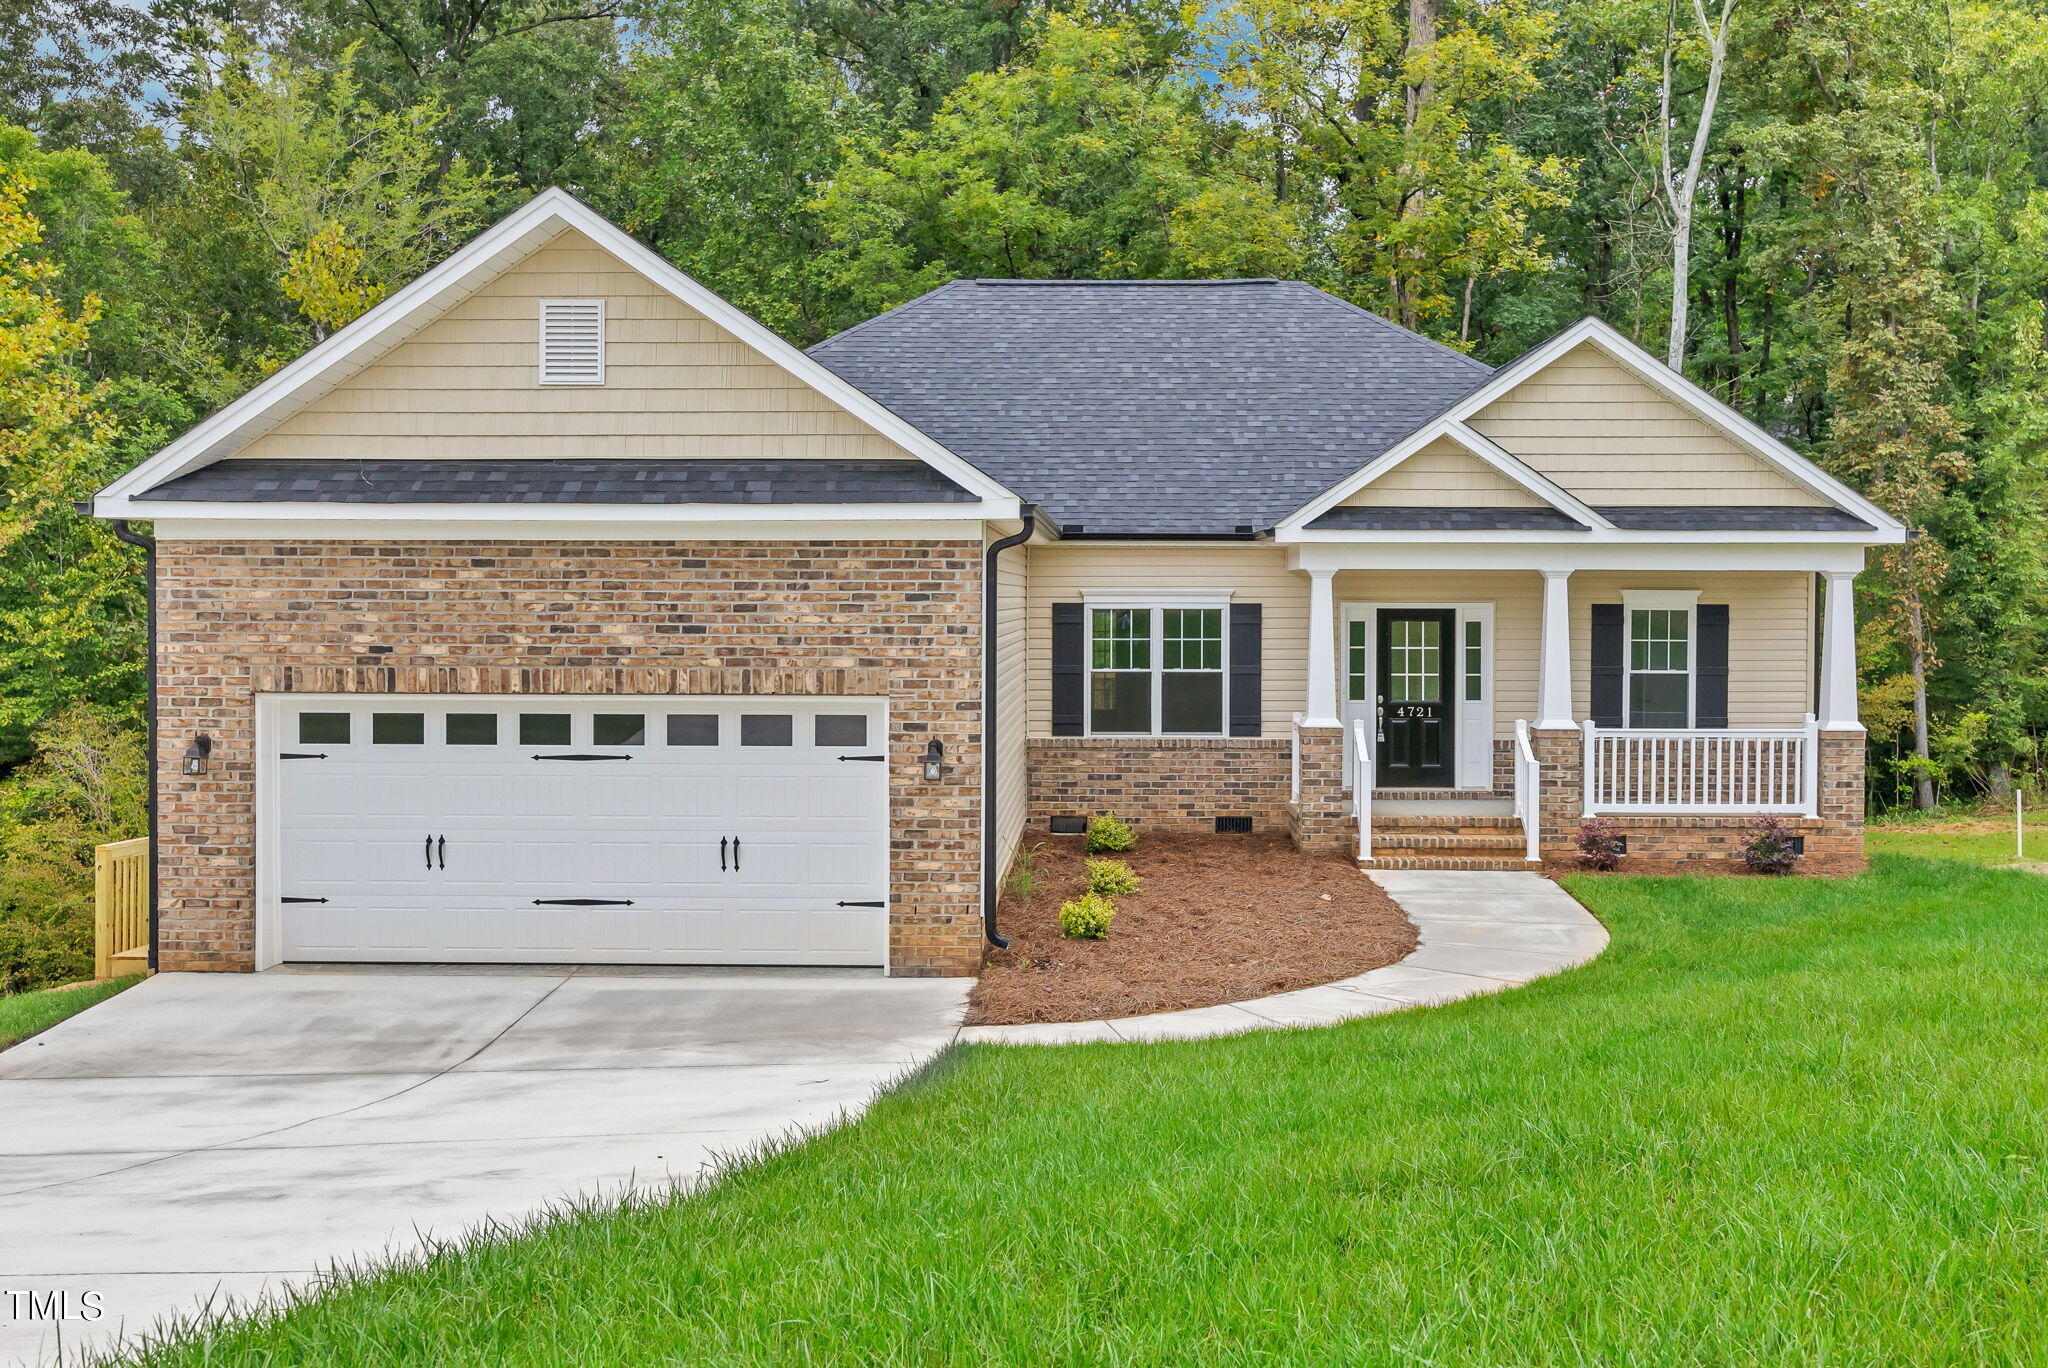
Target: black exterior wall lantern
[196,753]
[934,761]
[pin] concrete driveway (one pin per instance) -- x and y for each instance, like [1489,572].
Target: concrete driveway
[210,1136]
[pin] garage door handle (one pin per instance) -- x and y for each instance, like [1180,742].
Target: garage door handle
[430,852]
[582,902]
[721,853]
[441,849]
[863,904]
[863,757]
[583,757]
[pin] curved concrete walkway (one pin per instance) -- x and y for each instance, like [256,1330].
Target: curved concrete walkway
[1480,933]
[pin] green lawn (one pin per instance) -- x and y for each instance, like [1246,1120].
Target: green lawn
[1986,840]
[1778,1122]
[23,1014]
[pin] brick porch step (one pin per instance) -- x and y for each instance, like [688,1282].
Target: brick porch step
[1447,861]
[1486,842]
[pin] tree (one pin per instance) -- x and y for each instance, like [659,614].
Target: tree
[1680,188]
[349,199]
[70,601]
[1082,163]
[1369,116]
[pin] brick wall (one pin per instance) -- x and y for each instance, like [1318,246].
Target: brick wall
[1692,843]
[875,618]
[1321,818]
[1168,783]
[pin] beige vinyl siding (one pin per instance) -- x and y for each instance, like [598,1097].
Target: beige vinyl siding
[1061,571]
[1443,475]
[1588,424]
[1770,631]
[676,384]
[1770,637]
[1013,693]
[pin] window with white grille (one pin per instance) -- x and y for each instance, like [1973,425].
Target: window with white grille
[572,341]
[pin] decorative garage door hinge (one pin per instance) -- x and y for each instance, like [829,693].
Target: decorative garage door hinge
[302,900]
[863,757]
[863,904]
[583,757]
[302,755]
[582,902]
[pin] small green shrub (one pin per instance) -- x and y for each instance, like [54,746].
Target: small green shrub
[1110,833]
[1024,873]
[1112,878]
[1087,917]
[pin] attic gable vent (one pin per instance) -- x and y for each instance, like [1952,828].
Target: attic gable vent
[572,341]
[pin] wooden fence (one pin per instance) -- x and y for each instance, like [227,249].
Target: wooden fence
[120,887]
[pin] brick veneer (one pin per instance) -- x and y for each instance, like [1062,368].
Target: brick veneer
[1169,783]
[896,619]
[1320,819]
[1682,843]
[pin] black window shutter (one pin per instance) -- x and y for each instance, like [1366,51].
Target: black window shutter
[1246,706]
[1069,673]
[1710,674]
[1610,641]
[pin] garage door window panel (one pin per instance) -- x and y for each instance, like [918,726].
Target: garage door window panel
[323,728]
[618,729]
[472,729]
[841,730]
[693,729]
[398,729]
[543,729]
[767,729]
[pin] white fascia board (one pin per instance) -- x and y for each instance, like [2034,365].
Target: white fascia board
[1617,537]
[674,515]
[1566,556]
[415,526]
[1475,444]
[497,247]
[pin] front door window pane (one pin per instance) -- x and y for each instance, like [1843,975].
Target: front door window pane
[1414,660]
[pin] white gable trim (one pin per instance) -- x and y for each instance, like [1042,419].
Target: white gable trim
[493,251]
[1673,386]
[1481,448]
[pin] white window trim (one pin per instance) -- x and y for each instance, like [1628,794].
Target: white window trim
[1163,598]
[540,339]
[1157,605]
[1684,601]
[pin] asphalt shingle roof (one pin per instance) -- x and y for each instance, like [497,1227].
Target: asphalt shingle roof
[563,482]
[1153,407]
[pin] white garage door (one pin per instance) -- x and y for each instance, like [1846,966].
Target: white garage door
[618,830]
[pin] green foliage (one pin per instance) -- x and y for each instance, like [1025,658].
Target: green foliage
[25,1014]
[87,785]
[1109,833]
[1082,163]
[1087,917]
[1112,878]
[1024,872]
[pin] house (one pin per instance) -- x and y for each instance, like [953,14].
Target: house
[557,611]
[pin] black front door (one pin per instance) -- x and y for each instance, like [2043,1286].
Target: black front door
[1417,713]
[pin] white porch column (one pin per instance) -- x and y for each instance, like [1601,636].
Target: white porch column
[1322,651]
[1554,670]
[1838,653]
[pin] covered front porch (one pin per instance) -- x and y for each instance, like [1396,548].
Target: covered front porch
[1470,706]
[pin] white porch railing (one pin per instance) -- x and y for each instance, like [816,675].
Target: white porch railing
[1528,791]
[1752,770]
[1361,786]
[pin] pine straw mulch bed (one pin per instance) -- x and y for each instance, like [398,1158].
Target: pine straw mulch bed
[1219,919]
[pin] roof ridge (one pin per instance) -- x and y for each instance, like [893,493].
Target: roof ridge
[1092,281]
[902,308]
